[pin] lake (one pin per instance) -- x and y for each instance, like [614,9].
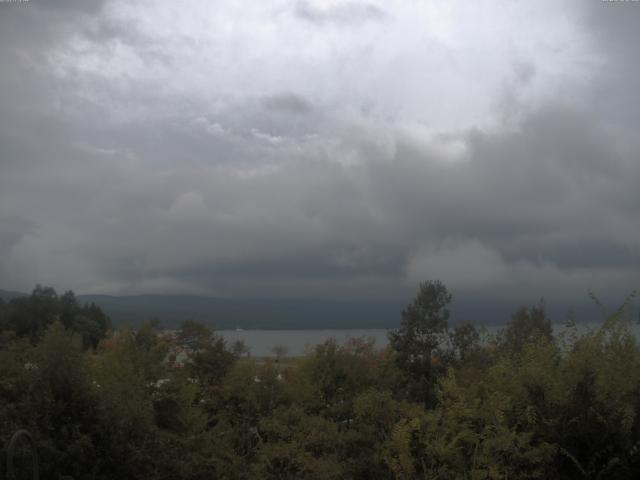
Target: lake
[299,342]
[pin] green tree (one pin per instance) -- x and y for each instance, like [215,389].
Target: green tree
[295,445]
[29,317]
[194,334]
[464,339]
[340,372]
[420,338]
[527,326]
[64,404]
[211,363]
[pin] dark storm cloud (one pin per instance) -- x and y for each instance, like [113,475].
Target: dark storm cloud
[14,229]
[195,170]
[311,218]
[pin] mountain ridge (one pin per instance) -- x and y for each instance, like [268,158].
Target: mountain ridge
[220,313]
[295,314]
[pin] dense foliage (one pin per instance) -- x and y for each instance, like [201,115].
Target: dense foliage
[439,402]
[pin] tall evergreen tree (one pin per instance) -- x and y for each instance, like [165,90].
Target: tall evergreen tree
[419,339]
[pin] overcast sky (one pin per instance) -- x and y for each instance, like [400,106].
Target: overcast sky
[335,149]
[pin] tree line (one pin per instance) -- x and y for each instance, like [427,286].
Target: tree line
[438,402]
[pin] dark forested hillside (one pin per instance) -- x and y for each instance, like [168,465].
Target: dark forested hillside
[218,313]
[221,314]
[250,313]
[7,295]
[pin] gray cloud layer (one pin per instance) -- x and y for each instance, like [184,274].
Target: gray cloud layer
[300,149]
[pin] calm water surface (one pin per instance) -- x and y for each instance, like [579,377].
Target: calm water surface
[299,342]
